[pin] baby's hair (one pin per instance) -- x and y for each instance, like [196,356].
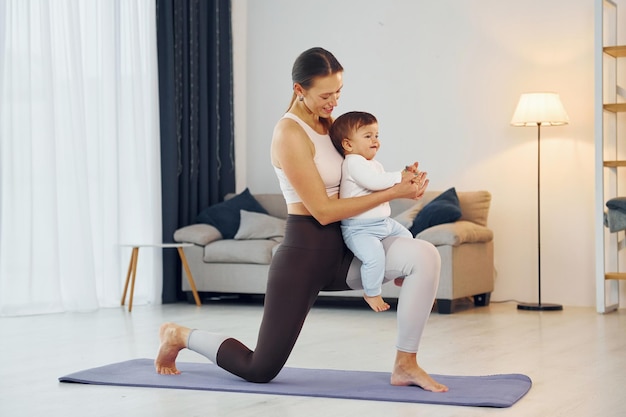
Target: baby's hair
[348,123]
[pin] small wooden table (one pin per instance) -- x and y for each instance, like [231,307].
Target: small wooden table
[132,268]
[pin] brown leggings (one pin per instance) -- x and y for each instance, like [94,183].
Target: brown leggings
[311,258]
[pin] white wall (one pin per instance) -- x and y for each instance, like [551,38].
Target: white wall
[443,77]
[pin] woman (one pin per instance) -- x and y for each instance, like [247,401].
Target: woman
[313,256]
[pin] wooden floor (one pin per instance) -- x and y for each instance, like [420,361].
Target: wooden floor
[576,359]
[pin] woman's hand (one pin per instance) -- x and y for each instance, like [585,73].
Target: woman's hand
[421,182]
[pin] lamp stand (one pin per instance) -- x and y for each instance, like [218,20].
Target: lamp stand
[539,306]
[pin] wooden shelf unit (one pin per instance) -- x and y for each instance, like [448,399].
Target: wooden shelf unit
[610,140]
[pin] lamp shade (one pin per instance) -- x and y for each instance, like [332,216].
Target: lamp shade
[539,108]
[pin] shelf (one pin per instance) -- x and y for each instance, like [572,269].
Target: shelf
[615,275]
[615,107]
[615,51]
[614,164]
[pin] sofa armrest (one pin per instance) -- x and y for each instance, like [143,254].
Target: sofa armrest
[199,234]
[456,233]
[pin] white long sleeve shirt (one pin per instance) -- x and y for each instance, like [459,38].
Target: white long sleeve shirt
[360,176]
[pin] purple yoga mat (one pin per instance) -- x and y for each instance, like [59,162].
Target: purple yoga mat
[502,390]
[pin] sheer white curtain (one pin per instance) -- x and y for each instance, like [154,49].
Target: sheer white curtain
[79,153]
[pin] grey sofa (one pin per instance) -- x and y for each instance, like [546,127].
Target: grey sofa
[240,265]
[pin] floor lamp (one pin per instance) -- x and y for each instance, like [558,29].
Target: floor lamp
[539,109]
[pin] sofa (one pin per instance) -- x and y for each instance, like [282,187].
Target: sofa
[235,259]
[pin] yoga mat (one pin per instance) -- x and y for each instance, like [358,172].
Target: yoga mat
[478,391]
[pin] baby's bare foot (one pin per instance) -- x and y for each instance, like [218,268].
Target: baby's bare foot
[172,341]
[376,303]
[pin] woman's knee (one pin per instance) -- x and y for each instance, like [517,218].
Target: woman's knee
[262,374]
[408,255]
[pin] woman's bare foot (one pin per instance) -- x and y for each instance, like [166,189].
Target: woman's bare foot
[173,339]
[376,303]
[406,371]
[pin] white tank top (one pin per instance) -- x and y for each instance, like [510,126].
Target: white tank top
[327,160]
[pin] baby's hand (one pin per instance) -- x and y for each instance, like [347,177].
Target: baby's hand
[413,174]
[408,176]
[412,168]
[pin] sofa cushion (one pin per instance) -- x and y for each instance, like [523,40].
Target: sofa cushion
[256,251]
[225,215]
[457,233]
[199,233]
[259,226]
[444,208]
[475,206]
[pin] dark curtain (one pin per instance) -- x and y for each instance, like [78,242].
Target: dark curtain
[196,115]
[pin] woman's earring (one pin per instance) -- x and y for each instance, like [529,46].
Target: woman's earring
[301,98]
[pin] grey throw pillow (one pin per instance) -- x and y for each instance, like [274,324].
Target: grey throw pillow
[200,234]
[407,217]
[259,226]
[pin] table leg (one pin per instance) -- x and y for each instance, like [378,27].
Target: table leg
[192,283]
[132,282]
[131,267]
